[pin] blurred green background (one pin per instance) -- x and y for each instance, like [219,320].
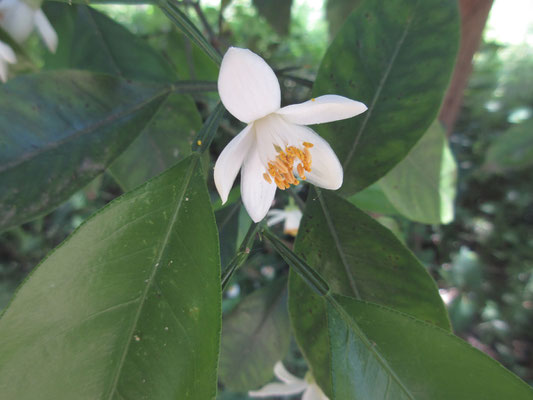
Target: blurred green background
[482,261]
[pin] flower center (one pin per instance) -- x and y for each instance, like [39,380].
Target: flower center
[280,170]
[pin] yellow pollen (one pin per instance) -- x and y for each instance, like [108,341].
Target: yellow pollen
[267,177]
[313,99]
[199,142]
[280,170]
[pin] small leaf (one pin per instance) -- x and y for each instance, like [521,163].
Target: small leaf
[60,130]
[423,185]
[127,307]
[255,335]
[397,60]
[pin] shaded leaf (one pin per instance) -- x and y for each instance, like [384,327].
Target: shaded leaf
[398,61]
[61,129]
[127,307]
[91,40]
[166,140]
[255,335]
[423,185]
[228,230]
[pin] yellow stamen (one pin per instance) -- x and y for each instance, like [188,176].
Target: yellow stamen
[313,99]
[280,169]
[199,142]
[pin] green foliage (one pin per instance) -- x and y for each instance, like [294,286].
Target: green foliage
[128,306]
[422,185]
[90,119]
[255,335]
[375,58]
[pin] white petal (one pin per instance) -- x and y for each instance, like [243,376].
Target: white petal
[322,109]
[46,30]
[283,375]
[257,194]
[279,389]
[230,161]
[313,392]
[3,71]
[275,216]
[326,169]
[7,53]
[247,86]
[18,20]
[292,222]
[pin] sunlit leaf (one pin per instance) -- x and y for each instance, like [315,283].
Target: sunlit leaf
[423,185]
[397,60]
[60,130]
[127,307]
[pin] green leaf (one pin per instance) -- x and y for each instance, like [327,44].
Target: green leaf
[277,13]
[91,40]
[127,307]
[422,186]
[185,26]
[228,230]
[378,353]
[511,151]
[358,258]
[397,60]
[166,140]
[189,60]
[255,335]
[62,129]
[373,200]
[336,13]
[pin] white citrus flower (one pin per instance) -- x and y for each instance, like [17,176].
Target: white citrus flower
[291,385]
[275,146]
[290,214]
[7,56]
[19,20]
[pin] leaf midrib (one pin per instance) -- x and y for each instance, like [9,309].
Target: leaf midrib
[80,132]
[379,89]
[148,286]
[338,246]
[369,346]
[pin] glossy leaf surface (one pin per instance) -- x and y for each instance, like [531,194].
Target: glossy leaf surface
[397,60]
[255,335]
[61,129]
[422,186]
[360,258]
[378,353]
[127,307]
